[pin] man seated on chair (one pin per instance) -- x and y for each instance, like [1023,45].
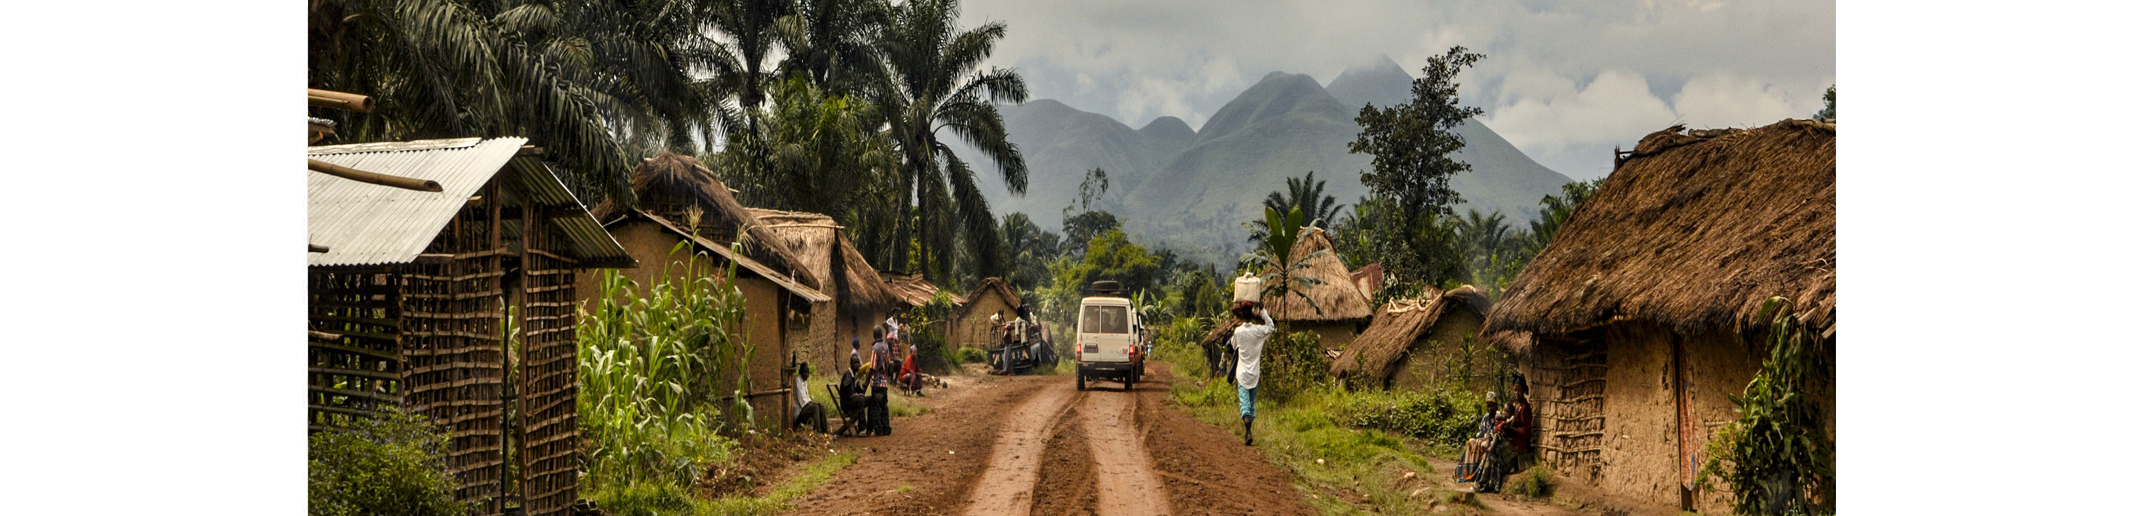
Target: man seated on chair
[809,412]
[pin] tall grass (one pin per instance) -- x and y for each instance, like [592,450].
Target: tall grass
[653,366]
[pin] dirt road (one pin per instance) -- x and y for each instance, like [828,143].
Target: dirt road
[1034,445]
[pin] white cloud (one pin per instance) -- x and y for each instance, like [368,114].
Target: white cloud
[1720,100]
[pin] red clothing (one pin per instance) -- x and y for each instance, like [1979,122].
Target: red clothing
[909,365]
[1517,427]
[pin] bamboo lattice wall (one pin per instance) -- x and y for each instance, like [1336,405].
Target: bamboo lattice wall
[354,345]
[451,336]
[548,374]
[1568,395]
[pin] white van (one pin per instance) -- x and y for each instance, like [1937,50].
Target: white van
[1109,345]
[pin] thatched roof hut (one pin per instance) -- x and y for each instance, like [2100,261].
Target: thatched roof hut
[914,290]
[669,185]
[1695,230]
[972,324]
[1335,297]
[819,244]
[1406,327]
[1639,319]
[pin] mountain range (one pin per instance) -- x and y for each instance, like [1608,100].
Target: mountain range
[1193,191]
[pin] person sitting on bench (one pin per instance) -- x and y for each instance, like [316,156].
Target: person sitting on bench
[1476,446]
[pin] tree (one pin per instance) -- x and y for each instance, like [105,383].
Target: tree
[1412,142]
[933,85]
[1306,193]
[595,83]
[1555,209]
[739,65]
[1274,258]
[1029,247]
[1828,112]
[1412,146]
[829,43]
[814,152]
[1084,227]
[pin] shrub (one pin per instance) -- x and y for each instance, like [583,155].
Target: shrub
[652,365]
[1533,483]
[1773,456]
[392,464]
[1291,363]
[971,356]
[1441,415]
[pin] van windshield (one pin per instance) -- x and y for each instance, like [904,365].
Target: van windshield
[1104,319]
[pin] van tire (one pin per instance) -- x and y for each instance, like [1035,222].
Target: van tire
[1079,381]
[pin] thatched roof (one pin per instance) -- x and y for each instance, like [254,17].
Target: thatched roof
[1694,231]
[1397,326]
[914,290]
[819,243]
[999,285]
[669,184]
[1335,297]
[1369,279]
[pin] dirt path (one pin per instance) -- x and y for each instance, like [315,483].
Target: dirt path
[1009,480]
[1034,445]
[1123,470]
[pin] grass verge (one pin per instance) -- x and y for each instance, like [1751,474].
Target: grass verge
[667,500]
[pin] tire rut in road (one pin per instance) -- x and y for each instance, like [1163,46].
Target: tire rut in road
[1009,479]
[1124,473]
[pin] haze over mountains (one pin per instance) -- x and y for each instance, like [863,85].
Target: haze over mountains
[1193,191]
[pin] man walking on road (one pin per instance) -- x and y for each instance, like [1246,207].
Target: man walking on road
[1249,342]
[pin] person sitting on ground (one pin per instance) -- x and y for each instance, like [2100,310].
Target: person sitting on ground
[1249,342]
[809,412]
[1477,445]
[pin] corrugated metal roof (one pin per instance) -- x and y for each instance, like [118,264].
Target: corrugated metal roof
[367,224]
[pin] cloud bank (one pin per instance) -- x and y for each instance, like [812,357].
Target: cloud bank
[1564,80]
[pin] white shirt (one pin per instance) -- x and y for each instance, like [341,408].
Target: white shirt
[1249,341]
[894,328]
[799,387]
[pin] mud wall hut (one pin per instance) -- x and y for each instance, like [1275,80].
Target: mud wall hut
[972,327]
[1431,340]
[409,295]
[678,199]
[1339,309]
[860,300]
[1639,318]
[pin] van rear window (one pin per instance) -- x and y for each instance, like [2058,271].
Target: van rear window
[1104,319]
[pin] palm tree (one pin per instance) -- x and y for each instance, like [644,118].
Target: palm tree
[828,43]
[820,153]
[739,63]
[933,84]
[1306,193]
[593,91]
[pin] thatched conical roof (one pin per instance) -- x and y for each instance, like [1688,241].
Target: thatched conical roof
[821,247]
[1397,326]
[994,283]
[1335,296]
[1694,231]
[669,184]
[914,290]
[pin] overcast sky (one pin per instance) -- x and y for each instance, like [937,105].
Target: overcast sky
[1563,80]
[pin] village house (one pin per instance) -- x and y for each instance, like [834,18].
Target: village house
[1334,308]
[972,327]
[859,300]
[1639,318]
[1433,340]
[678,199]
[410,289]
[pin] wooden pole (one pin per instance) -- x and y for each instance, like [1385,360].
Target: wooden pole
[344,101]
[421,185]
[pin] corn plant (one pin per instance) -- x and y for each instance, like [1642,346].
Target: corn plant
[651,363]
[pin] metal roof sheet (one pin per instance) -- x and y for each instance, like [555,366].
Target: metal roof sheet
[367,224]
